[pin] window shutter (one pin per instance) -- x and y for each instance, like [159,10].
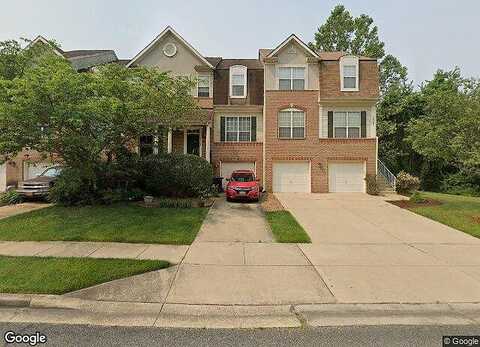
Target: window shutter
[330,124]
[253,129]
[222,129]
[364,123]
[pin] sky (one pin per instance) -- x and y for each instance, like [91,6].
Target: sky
[425,35]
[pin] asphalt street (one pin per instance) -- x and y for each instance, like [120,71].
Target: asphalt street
[391,336]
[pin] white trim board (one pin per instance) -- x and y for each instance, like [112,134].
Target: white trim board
[168,29]
[298,41]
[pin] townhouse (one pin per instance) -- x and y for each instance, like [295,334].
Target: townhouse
[303,121]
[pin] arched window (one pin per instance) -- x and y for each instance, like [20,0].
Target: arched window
[238,81]
[291,124]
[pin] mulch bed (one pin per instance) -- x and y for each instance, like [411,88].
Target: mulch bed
[408,204]
[476,219]
[270,203]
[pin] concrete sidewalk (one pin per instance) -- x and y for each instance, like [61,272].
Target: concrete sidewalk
[171,253]
[12,210]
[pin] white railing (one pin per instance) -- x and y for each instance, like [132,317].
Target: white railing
[387,174]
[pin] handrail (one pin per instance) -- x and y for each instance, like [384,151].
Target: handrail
[387,174]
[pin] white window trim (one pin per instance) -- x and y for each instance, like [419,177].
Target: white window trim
[349,60]
[347,126]
[200,134]
[291,110]
[237,69]
[209,86]
[238,131]
[291,65]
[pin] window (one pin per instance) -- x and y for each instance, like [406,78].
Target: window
[349,73]
[238,129]
[291,78]
[346,124]
[291,124]
[238,81]
[203,86]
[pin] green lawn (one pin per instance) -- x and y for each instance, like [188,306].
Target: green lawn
[38,275]
[286,228]
[459,212]
[115,223]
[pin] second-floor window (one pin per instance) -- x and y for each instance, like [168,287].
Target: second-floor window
[238,81]
[291,124]
[291,78]
[349,73]
[203,86]
[347,124]
[238,129]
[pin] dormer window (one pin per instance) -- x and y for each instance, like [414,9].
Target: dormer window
[238,81]
[349,73]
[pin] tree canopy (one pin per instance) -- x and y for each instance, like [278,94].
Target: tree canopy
[49,107]
[343,32]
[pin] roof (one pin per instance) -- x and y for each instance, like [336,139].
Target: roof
[213,60]
[169,29]
[251,64]
[84,52]
[87,61]
[295,38]
[337,55]
[263,52]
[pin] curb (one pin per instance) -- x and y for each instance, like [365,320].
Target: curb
[56,309]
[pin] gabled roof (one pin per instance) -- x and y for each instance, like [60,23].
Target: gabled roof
[292,37]
[167,30]
[338,54]
[251,64]
[43,40]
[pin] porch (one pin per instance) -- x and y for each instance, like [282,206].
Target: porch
[195,139]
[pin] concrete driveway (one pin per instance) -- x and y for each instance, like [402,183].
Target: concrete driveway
[368,250]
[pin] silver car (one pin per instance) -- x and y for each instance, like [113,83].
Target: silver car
[40,185]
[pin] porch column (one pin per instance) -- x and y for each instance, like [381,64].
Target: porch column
[207,143]
[155,144]
[169,141]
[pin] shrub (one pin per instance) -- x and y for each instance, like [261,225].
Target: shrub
[175,175]
[11,198]
[73,188]
[462,183]
[372,184]
[407,183]
[417,198]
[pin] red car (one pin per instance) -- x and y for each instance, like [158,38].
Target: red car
[243,185]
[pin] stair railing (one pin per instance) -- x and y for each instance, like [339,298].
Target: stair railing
[387,174]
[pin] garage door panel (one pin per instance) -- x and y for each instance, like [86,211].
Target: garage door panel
[346,177]
[291,177]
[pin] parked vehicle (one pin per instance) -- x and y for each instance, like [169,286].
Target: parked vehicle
[242,185]
[40,185]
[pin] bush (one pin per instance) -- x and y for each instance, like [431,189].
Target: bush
[11,198]
[462,183]
[406,183]
[372,184]
[73,188]
[175,175]
[417,198]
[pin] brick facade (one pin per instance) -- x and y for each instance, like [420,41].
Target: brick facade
[318,151]
[330,80]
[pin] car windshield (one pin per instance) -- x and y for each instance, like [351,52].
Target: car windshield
[52,172]
[246,177]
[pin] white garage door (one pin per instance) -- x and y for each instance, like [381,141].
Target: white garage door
[291,177]
[227,169]
[346,177]
[3,177]
[32,170]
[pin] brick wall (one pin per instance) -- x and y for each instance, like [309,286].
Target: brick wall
[330,80]
[318,151]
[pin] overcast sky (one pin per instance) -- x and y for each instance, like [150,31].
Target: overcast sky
[424,34]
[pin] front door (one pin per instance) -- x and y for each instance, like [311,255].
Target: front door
[193,142]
